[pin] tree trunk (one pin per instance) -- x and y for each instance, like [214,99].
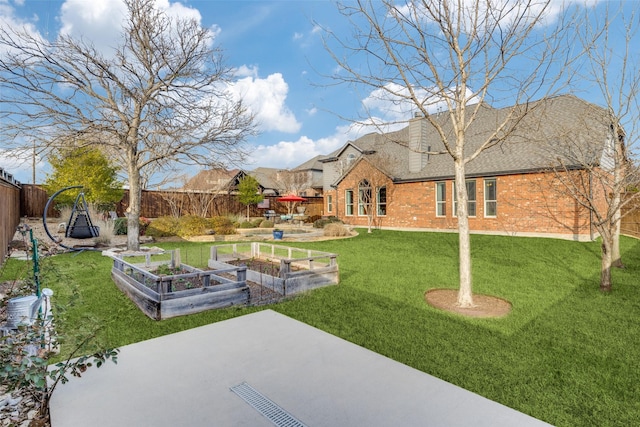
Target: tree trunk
[616,258]
[465,293]
[133,211]
[605,269]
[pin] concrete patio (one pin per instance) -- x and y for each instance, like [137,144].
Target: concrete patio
[295,374]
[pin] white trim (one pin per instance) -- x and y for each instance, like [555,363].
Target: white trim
[443,202]
[484,196]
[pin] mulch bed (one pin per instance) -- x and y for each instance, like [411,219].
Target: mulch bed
[485,306]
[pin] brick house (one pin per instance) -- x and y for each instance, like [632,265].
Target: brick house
[512,189]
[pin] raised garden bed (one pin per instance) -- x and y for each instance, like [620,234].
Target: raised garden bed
[167,288]
[285,270]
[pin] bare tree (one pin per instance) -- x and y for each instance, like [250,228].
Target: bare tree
[612,67]
[293,181]
[434,54]
[374,186]
[159,96]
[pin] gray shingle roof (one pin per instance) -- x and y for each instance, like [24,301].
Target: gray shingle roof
[311,164]
[563,128]
[266,177]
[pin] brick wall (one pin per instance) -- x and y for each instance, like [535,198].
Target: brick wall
[528,204]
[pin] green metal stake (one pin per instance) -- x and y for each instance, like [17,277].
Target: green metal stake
[36,264]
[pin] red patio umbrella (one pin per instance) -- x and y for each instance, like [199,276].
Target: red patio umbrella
[291,198]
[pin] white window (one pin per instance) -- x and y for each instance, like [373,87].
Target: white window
[471,198]
[490,198]
[382,201]
[441,198]
[364,198]
[348,200]
[329,203]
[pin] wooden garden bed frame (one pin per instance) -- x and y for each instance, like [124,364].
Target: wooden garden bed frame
[155,294]
[300,269]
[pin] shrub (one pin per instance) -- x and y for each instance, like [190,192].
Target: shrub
[335,229]
[246,224]
[320,223]
[191,225]
[266,224]
[222,225]
[311,219]
[120,226]
[143,223]
[256,222]
[235,220]
[163,227]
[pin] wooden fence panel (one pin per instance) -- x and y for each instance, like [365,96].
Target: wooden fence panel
[630,223]
[155,204]
[33,199]
[9,214]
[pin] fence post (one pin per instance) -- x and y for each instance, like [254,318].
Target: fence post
[241,274]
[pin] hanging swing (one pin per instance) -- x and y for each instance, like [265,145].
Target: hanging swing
[80,225]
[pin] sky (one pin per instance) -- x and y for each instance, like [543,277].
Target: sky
[275,46]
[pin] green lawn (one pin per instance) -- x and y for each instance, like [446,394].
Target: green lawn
[567,354]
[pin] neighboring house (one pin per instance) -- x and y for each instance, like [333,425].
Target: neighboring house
[304,180]
[223,181]
[268,180]
[217,181]
[510,186]
[310,174]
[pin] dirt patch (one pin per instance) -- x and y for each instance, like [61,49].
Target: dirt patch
[271,268]
[485,306]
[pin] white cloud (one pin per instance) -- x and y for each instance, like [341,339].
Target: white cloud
[289,154]
[266,99]
[393,106]
[507,12]
[20,165]
[246,71]
[99,21]
[9,19]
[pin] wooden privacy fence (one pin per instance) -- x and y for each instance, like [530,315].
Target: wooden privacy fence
[10,212]
[630,223]
[155,204]
[33,199]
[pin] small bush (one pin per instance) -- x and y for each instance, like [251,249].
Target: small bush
[246,224]
[256,222]
[266,224]
[163,227]
[120,227]
[222,225]
[311,219]
[190,225]
[235,220]
[322,222]
[336,230]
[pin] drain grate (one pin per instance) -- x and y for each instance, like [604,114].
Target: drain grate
[266,407]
